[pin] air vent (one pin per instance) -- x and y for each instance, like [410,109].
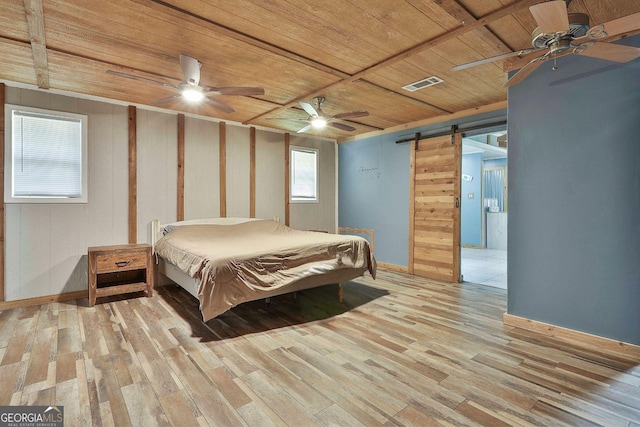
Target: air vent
[421,84]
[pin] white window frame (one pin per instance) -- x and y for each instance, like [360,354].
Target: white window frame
[292,197]
[8,156]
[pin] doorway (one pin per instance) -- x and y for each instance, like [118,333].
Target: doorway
[484,212]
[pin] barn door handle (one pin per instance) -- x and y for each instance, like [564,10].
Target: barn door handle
[457,202]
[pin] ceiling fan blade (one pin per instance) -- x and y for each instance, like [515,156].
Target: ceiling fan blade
[245,91]
[142,79]
[612,52]
[306,128]
[491,59]
[551,16]
[222,106]
[191,69]
[309,108]
[351,114]
[524,72]
[622,25]
[342,126]
[167,99]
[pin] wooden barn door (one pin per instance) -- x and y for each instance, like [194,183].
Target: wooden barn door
[435,208]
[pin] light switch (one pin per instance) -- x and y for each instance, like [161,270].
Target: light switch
[471,195]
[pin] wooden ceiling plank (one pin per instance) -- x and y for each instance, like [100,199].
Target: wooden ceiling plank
[408,53]
[160,39]
[485,20]
[35,21]
[236,35]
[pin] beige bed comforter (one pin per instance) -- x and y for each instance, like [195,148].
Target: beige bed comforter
[236,262]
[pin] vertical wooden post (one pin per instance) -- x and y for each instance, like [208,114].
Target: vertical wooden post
[252,172]
[223,169]
[180,214]
[2,217]
[133,175]
[287,178]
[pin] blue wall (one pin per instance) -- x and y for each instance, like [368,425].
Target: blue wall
[471,209]
[574,196]
[373,186]
[373,193]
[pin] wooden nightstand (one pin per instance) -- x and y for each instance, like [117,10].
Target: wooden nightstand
[119,269]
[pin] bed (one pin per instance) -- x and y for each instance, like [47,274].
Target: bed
[227,261]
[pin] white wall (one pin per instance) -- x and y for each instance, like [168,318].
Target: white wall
[270,157]
[46,244]
[238,169]
[201,172]
[157,157]
[322,215]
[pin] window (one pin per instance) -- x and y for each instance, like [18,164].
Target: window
[45,156]
[304,175]
[495,190]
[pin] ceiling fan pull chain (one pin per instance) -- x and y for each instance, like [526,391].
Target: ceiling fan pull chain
[555,64]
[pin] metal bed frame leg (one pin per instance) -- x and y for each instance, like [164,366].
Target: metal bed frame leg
[340,293]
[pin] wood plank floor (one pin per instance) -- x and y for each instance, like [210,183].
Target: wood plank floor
[399,351]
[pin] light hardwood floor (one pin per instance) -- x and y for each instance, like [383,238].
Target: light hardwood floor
[399,351]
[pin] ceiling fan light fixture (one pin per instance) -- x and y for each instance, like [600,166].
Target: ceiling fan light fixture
[193,94]
[318,122]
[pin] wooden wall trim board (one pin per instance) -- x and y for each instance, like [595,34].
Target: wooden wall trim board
[29,302]
[361,231]
[287,179]
[2,215]
[223,168]
[594,341]
[180,213]
[393,267]
[252,172]
[133,175]
[502,105]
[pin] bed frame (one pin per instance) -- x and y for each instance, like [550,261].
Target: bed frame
[191,285]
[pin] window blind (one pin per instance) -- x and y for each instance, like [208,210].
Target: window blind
[304,174]
[47,155]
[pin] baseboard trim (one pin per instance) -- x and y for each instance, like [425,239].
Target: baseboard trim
[393,267]
[28,302]
[595,341]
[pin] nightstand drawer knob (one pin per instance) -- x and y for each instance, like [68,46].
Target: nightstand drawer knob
[122,263]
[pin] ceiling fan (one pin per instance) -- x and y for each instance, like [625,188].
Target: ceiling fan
[190,90]
[560,33]
[318,119]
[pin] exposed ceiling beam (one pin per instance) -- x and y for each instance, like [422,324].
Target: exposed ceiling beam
[35,22]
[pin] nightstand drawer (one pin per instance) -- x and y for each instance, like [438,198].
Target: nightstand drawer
[121,262]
